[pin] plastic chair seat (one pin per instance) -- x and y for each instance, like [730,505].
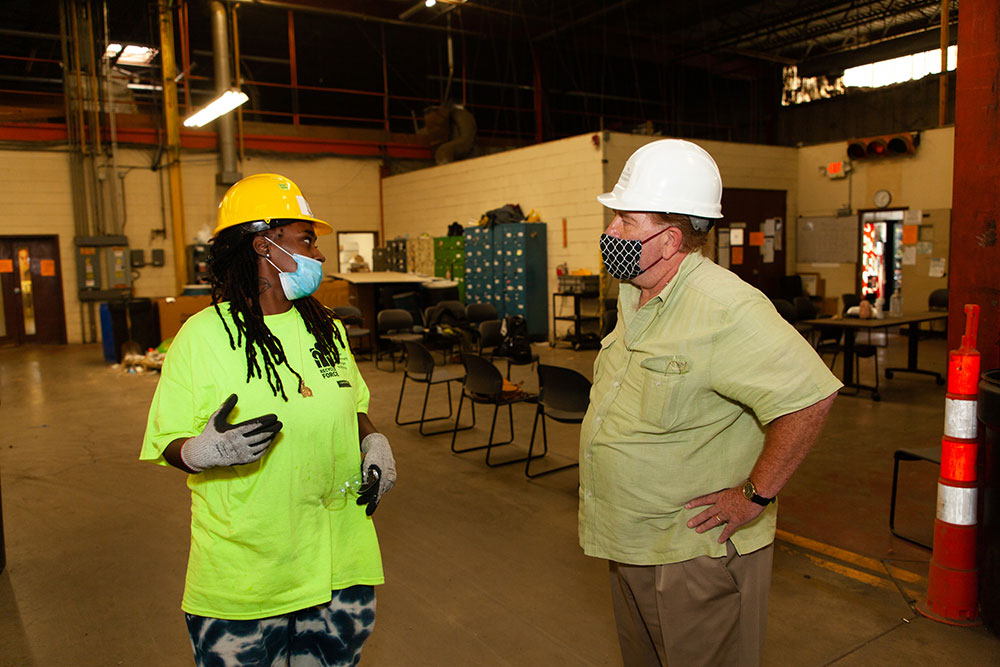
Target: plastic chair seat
[565,416]
[403,337]
[439,375]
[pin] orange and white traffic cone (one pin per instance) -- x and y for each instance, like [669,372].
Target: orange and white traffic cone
[953,580]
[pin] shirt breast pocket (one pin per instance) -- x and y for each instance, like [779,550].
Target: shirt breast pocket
[663,390]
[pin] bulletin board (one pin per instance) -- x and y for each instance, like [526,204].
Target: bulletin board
[827,240]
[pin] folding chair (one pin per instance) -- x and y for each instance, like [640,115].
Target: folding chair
[490,336]
[563,395]
[420,368]
[476,314]
[395,327]
[484,385]
[354,324]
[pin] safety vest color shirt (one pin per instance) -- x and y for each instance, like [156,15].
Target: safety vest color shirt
[276,535]
[684,388]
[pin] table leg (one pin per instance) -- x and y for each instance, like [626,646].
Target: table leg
[912,343]
[848,357]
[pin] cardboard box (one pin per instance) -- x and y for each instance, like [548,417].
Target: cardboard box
[333,293]
[175,310]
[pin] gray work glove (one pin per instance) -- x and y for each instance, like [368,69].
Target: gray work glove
[225,444]
[378,471]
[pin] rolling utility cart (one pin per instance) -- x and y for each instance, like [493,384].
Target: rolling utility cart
[579,289]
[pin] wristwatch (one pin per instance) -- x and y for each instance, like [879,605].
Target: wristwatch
[750,492]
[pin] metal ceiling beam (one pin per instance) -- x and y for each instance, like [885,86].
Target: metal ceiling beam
[582,20]
[838,61]
[875,20]
[853,16]
[7,32]
[358,16]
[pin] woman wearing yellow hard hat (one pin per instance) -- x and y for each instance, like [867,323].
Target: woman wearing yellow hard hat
[261,401]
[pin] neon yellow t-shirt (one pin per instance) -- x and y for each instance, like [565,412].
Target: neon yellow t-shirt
[276,535]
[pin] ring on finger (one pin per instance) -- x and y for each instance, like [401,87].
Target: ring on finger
[718,520]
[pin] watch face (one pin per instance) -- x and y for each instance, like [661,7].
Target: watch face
[749,490]
[883,198]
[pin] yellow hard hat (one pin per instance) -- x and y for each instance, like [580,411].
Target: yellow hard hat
[265,199]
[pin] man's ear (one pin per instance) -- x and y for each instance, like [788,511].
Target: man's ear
[675,238]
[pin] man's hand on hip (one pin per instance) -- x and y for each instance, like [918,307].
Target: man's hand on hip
[729,507]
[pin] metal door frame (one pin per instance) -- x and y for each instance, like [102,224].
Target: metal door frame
[15,329]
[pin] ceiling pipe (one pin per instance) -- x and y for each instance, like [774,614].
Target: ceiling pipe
[228,173]
[171,122]
[943,81]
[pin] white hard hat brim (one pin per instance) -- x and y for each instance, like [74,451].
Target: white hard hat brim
[618,203]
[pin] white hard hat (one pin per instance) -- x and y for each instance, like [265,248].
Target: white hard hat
[668,176]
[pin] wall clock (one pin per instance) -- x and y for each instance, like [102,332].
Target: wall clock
[883,198]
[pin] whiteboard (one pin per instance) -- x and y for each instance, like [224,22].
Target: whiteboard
[827,240]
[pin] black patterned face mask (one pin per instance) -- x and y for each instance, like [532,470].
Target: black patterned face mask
[621,256]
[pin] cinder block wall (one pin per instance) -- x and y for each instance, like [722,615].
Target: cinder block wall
[559,179]
[35,187]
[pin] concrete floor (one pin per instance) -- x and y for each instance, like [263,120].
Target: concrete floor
[482,566]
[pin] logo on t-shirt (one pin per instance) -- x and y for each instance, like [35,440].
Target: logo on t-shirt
[328,369]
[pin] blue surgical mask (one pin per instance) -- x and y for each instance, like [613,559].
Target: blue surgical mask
[621,256]
[304,280]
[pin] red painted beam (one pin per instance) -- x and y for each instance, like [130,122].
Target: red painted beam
[47,132]
[975,237]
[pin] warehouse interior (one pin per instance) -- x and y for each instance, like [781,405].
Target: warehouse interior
[407,124]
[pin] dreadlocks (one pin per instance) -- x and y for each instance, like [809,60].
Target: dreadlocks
[233,270]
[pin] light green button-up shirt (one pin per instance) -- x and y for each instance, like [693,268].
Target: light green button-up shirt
[683,390]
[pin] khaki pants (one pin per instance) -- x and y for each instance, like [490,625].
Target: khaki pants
[703,611]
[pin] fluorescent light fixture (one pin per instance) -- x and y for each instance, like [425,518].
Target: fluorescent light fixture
[430,3]
[130,54]
[223,104]
[143,86]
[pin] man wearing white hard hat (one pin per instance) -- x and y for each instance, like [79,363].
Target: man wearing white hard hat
[704,403]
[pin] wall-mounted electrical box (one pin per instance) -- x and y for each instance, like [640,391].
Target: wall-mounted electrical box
[137,258]
[197,264]
[103,270]
[159,257]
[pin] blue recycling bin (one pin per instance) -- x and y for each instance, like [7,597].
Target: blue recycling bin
[108,335]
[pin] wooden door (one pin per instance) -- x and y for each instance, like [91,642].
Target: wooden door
[752,208]
[32,308]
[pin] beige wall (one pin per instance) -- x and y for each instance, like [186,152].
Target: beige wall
[36,191]
[34,188]
[922,181]
[559,179]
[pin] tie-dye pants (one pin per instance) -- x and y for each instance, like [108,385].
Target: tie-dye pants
[326,635]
